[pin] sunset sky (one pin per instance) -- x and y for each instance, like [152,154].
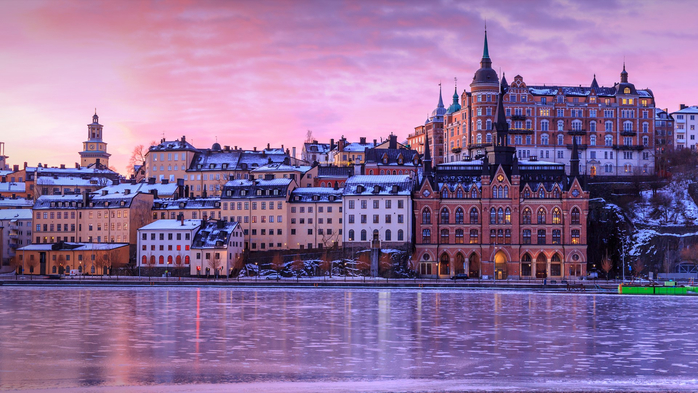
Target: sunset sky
[254,72]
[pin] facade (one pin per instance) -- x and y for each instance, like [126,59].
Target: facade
[15,232]
[12,189]
[391,161]
[378,208]
[169,159]
[685,124]
[303,174]
[94,149]
[663,141]
[67,258]
[260,207]
[189,208]
[500,217]
[166,243]
[62,180]
[350,153]
[217,247]
[315,218]
[333,176]
[613,126]
[16,203]
[433,129]
[317,152]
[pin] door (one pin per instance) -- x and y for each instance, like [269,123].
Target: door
[42,263]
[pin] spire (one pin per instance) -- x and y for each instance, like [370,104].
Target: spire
[624,75]
[501,125]
[515,165]
[574,160]
[427,156]
[504,84]
[441,100]
[594,84]
[486,50]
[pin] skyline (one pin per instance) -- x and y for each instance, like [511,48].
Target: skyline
[219,70]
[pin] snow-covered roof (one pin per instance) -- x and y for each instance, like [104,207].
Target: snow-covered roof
[316,194]
[242,188]
[215,234]
[12,187]
[173,145]
[539,162]
[173,225]
[15,214]
[320,148]
[15,202]
[82,171]
[687,110]
[4,172]
[378,185]
[57,201]
[73,246]
[186,203]
[281,167]
[73,181]
[143,187]
[357,147]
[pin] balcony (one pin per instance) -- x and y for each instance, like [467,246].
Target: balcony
[628,133]
[518,117]
[480,145]
[629,147]
[579,146]
[456,150]
[577,132]
[520,131]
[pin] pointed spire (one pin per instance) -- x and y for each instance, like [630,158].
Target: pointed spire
[504,85]
[515,166]
[624,74]
[441,100]
[486,50]
[594,84]
[501,125]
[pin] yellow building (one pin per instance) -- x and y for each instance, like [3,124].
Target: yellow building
[94,149]
[315,218]
[72,258]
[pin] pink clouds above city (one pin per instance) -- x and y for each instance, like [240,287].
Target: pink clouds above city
[252,73]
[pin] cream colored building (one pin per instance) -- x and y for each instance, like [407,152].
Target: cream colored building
[315,218]
[166,244]
[169,160]
[216,248]
[190,208]
[260,206]
[65,258]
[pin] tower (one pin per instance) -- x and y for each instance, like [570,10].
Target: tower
[485,89]
[94,149]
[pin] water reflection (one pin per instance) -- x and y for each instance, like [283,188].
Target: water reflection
[54,337]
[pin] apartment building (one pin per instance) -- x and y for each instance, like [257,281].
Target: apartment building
[217,247]
[166,244]
[189,208]
[15,232]
[69,258]
[685,124]
[315,218]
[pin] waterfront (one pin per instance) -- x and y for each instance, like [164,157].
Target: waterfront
[365,339]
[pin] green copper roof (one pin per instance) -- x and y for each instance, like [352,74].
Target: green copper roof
[486,51]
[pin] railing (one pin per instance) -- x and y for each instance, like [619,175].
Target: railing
[518,117]
[520,131]
[577,132]
[579,146]
[629,147]
[628,133]
[456,150]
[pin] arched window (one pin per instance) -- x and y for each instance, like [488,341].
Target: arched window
[426,216]
[577,125]
[506,191]
[560,140]
[645,141]
[400,235]
[557,216]
[488,124]
[459,236]
[459,193]
[608,126]
[444,216]
[178,260]
[560,125]
[444,236]
[186,259]
[459,216]
[592,139]
[526,216]
[363,235]
[645,128]
[541,216]
[426,236]
[152,259]
[444,193]
[479,136]
[144,260]
[351,235]
[608,140]
[488,138]
[541,192]
[388,235]
[507,216]
[500,216]
[53,269]
[473,216]
[169,259]
[500,192]
[479,125]
[493,216]
[627,126]
[575,216]
[544,140]
[473,193]
[527,193]
[161,260]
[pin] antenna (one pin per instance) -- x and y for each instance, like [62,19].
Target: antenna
[455,80]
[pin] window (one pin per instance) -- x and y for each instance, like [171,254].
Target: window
[426,236]
[526,236]
[575,216]
[473,216]
[364,204]
[493,216]
[426,216]
[493,236]
[363,235]
[459,216]
[526,216]
[400,235]
[444,236]
[388,235]
[459,236]
[351,205]
[375,204]
[507,216]
[541,236]
[541,216]
[556,236]
[351,235]
[375,219]
[575,236]
[557,216]
[560,140]
[444,216]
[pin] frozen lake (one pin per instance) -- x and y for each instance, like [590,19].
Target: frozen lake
[166,339]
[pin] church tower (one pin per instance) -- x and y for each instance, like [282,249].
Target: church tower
[94,149]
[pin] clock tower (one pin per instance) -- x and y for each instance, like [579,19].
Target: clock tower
[94,149]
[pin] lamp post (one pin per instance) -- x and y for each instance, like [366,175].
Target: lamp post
[256,269]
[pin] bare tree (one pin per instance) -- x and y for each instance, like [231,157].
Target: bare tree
[137,158]
[150,265]
[31,265]
[179,262]
[309,137]
[363,265]
[238,265]
[277,264]
[606,265]
[61,263]
[215,263]
[638,267]
[297,266]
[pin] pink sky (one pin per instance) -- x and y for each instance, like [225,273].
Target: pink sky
[256,72]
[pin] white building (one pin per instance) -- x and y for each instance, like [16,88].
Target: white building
[166,243]
[15,232]
[216,248]
[685,127]
[378,207]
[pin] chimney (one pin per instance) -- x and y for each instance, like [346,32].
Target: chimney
[294,152]
[165,181]
[362,140]
[105,192]
[184,138]
[226,148]
[154,191]
[268,146]
[340,145]
[332,144]
[25,165]
[151,180]
[62,166]
[282,147]
[254,148]
[236,147]
[85,198]
[77,165]
[683,106]
[4,179]
[181,219]
[221,224]
[116,182]
[15,168]
[393,142]
[375,142]
[133,181]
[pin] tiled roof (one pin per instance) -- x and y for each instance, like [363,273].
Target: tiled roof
[378,185]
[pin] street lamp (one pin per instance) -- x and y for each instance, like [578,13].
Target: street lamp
[256,269]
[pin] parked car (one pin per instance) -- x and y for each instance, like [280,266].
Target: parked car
[460,276]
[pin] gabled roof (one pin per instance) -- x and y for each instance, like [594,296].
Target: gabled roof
[183,225]
[214,234]
[379,185]
[376,156]
[316,194]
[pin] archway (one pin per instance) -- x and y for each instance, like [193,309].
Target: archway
[474,266]
[444,265]
[593,170]
[459,265]
[500,265]
[526,265]
[541,266]
[556,265]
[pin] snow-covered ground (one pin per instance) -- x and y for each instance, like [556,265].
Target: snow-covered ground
[677,209]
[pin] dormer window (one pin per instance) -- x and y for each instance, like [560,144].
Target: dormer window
[259,192]
[626,90]
[376,189]
[225,166]
[211,166]
[316,198]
